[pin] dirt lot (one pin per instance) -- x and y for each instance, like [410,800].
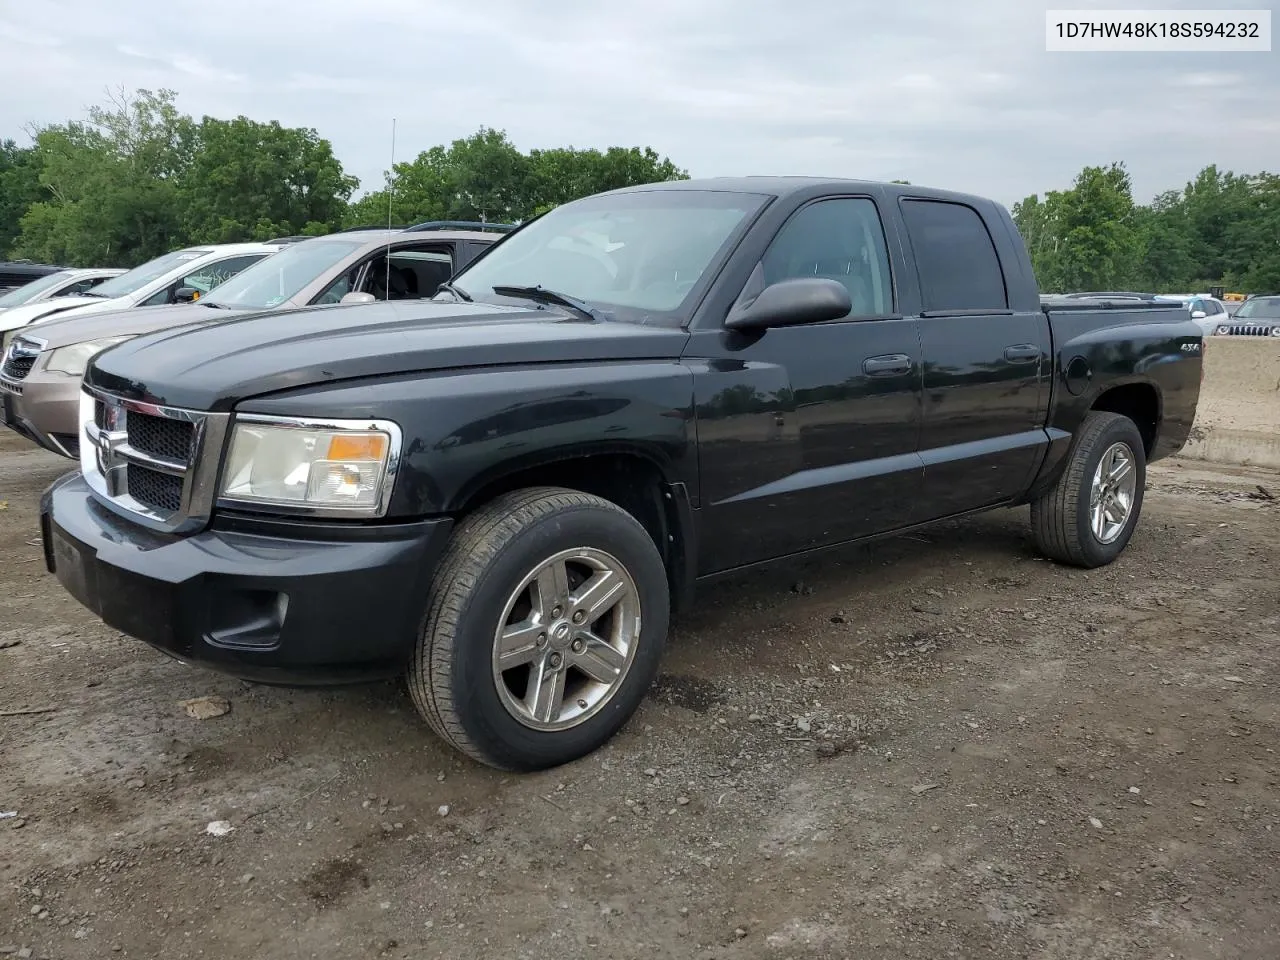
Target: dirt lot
[940,746]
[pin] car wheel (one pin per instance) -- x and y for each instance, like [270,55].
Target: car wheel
[1088,516]
[543,630]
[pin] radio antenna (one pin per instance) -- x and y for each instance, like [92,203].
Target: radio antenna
[391,191]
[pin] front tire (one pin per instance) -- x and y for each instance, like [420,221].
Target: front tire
[1088,516]
[544,628]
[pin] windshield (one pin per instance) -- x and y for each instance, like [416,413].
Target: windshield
[1260,308]
[137,278]
[24,293]
[279,277]
[637,256]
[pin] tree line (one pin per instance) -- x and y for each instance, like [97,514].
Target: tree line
[137,177]
[1220,229]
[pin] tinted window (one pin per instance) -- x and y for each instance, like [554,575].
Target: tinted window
[219,272]
[839,240]
[955,258]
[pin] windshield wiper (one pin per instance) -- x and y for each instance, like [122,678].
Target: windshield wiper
[458,292]
[90,293]
[542,295]
[210,303]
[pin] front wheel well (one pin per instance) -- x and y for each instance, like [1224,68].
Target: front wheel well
[1140,403]
[633,482]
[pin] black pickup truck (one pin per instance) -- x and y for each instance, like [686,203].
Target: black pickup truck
[504,492]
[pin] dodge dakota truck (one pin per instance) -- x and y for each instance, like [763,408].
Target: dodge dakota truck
[504,493]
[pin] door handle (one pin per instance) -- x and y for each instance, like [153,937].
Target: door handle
[890,365]
[1022,353]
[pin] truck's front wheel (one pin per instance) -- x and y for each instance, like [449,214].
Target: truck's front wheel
[543,630]
[1088,516]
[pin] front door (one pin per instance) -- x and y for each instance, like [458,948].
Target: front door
[808,434]
[986,367]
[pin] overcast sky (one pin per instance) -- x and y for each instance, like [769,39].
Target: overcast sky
[939,92]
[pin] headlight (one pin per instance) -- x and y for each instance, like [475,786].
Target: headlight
[329,467]
[73,359]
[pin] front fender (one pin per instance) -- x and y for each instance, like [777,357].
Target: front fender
[466,429]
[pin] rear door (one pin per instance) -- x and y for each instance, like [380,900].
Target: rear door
[986,366]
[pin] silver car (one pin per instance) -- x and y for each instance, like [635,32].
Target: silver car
[40,371]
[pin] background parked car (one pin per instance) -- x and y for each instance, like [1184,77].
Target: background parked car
[61,283]
[41,369]
[1205,310]
[1257,317]
[17,273]
[181,275]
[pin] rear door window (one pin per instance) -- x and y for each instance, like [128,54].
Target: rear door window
[955,257]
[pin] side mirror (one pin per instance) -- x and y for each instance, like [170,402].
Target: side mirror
[357,297]
[792,303]
[1198,314]
[186,295]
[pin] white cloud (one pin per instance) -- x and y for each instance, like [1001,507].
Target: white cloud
[938,92]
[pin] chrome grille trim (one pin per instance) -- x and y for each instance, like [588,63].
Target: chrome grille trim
[106,455]
[17,362]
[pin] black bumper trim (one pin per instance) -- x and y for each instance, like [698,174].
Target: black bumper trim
[262,606]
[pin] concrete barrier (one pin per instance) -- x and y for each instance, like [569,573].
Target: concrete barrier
[1238,418]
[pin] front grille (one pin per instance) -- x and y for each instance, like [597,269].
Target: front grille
[19,358]
[153,489]
[144,458]
[160,437]
[1246,330]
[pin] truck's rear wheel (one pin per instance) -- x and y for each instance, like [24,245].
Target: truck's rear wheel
[543,630]
[1088,516]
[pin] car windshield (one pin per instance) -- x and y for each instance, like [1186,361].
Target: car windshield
[635,256]
[280,276]
[24,293]
[137,278]
[1260,308]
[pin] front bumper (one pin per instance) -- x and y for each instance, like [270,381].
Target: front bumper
[45,408]
[288,603]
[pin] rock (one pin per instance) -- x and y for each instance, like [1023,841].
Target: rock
[804,725]
[756,718]
[24,953]
[651,772]
[219,828]
[926,608]
[35,911]
[739,932]
[924,788]
[247,878]
[1135,791]
[136,784]
[19,824]
[1097,824]
[37,892]
[1198,803]
[1235,679]
[837,618]
[682,801]
[206,708]
[442,810]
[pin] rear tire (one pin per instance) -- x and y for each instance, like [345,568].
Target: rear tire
[1088,516]
[543,631]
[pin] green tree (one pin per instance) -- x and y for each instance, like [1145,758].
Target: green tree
[485,177]
[108,187]
[251,181]
[19,189]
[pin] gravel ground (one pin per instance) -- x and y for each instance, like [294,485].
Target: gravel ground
[938,746]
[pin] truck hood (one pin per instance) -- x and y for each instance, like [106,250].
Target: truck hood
[62,330]
[33,312]
[216,363]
